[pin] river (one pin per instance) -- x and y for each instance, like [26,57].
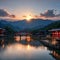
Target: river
[32,50]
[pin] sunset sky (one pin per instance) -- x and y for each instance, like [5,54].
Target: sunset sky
[20,9]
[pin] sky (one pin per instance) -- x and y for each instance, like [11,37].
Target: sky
[35,8]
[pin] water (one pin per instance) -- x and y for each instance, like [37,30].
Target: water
[29,50]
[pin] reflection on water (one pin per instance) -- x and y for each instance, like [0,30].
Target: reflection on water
[25,52]
[33,50]
[54,42]
[56,54]
[28,46]
[23,37]
[28,38]
[19,38]
[3,46]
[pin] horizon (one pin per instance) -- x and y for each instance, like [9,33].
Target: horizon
[12,20]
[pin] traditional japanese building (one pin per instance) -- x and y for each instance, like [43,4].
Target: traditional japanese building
[2,31]
[55,33]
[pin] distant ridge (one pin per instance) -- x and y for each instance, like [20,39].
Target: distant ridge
[24,25]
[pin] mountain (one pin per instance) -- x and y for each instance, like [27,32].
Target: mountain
[3,23]
[53,25]
[24,25]
[34,24]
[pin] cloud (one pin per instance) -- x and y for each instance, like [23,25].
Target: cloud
[13,16]
[49,14]
[4,13]
[24,16]
[58,15]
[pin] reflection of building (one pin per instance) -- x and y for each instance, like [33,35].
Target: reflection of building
[56,54]
[22,38]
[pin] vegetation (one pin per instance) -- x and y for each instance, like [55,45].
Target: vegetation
[52,26]
[9,30]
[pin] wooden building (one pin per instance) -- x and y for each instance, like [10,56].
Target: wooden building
[55,33]
[2,31]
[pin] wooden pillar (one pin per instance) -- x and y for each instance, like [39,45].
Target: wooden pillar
[20,37]
[26,37]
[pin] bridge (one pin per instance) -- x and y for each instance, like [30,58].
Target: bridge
[22,34]
[27,36]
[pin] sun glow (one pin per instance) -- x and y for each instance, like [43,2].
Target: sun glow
[28,18]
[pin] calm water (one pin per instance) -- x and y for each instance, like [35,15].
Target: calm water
[25,50]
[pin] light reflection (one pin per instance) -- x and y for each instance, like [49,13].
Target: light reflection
[28,46]
[3,46]
[43,48]
[17,38]
[28,38]
[54,42]
[24,52]
[55,54]
[23,37]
